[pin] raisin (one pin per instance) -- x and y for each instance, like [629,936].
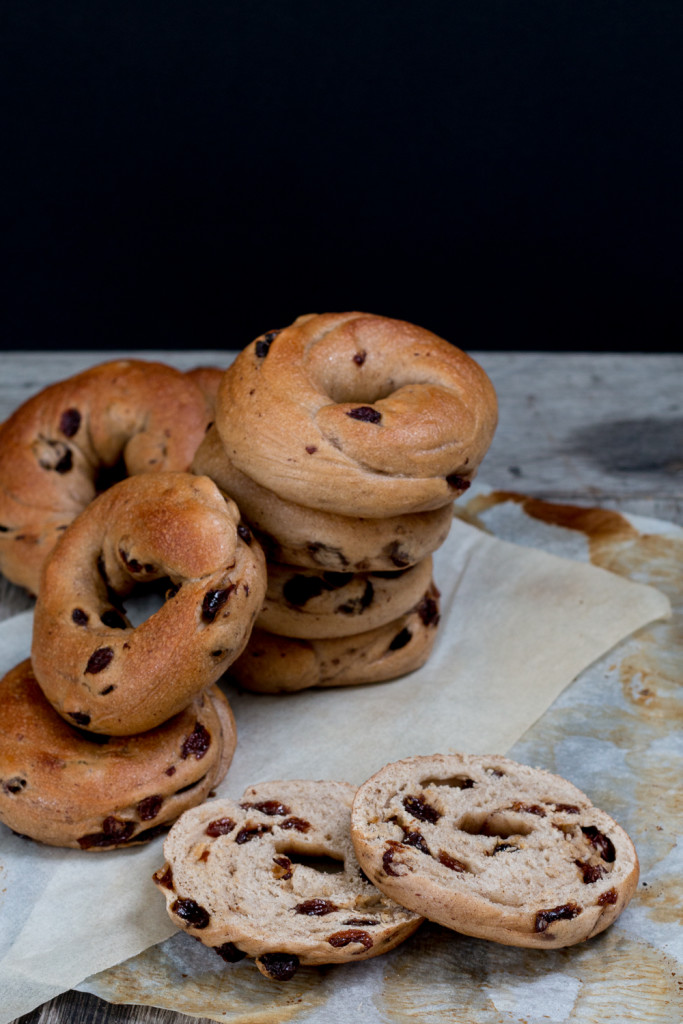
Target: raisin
[565,912]
[79,717]
[99,660]
[316,908]
[270,807]
[150,807]
[191,912]
[107,689]
[590,872]
[428,610]
[171,770]
[388,858]
[197,743]
[420,809]
[114,832]
[365,413]
[400,640]
[311,449]
[245,835]
[298,824]
[79,617]
[166,879]
[214,601]
[360,921]
[451,862]
[219,827]
[244,533]
[285,866]
[529,809]
[417,840]
[461,483]
[567,808]
[278,966]
[360,357]
[359,604]
[229,952]
[340,939]
[113,619]
[602,843]
[69,422]
[262,346]
[14,785]
[397,555]
[336,580]
[608,898]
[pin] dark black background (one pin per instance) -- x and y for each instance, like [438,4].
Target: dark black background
[507,174]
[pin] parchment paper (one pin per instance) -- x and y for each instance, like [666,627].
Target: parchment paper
[518,624]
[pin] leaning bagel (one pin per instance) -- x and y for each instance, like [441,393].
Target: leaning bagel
[64,787]
[356,414]
[66,443]
[95,668]
[298,535]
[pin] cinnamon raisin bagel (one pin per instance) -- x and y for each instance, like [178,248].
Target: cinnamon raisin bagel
[280,664]
[95,668]
[356,414]
[298,535]
[311,604]
[66,443]
[64,787]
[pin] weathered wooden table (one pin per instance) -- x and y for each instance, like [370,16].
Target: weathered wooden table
[602,430]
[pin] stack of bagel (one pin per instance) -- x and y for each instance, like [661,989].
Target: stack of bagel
[112,730]
[344,439]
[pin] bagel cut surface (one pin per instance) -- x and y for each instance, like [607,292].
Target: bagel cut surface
[493,849]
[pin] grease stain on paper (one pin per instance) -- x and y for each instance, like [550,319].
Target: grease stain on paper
[445,978]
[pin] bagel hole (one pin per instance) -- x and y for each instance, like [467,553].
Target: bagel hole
[147,599]
[361,392]
[322,863]
[502,826]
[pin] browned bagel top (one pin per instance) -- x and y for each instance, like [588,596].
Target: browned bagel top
[357,414]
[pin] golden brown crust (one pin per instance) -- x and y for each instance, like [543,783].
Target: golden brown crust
[298,535]
[356,414]
[56,450]
[94,667]
[278,664]
[64,787]
[493,849]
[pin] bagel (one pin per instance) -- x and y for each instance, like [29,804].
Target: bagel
[97,670]
[278,664]
[307,537]
[70,440]
[64,787]
[311,604]
[356,414]
[493,849]
[250,879]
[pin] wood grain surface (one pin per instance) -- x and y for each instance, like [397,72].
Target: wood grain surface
[602,430]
